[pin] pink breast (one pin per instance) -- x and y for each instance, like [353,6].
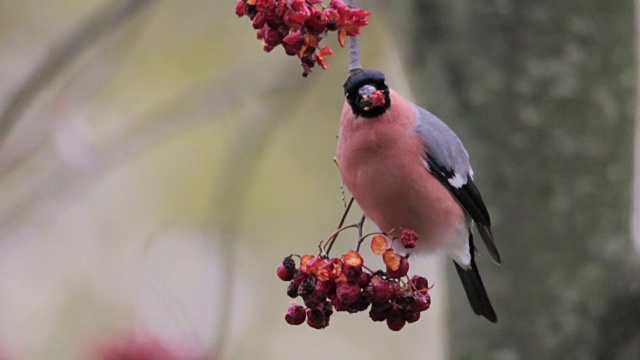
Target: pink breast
[381,164]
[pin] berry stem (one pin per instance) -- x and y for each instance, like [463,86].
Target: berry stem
[362,238]
[332,239]
[354,49]
[329,243]
[346,212]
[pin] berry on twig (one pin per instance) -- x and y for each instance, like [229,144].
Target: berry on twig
[300,25]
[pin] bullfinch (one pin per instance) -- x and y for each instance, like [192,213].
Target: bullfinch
[407,169]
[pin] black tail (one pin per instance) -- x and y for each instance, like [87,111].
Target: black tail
[474,288]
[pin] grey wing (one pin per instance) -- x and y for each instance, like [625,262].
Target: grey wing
[446,158]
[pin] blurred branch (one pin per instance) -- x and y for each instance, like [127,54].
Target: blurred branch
[101,23]
[213,98]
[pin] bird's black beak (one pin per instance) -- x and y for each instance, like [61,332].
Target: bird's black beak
[370,97]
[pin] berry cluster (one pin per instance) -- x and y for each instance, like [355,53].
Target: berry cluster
[300,25]
[345,285]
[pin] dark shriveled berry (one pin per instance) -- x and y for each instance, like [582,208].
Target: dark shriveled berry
[286,269]
[251,11]
[307,286]
[295,315]
[327,308]
[316,318]
[361,304]
[406,302]
[378,313]
[411,316]
[332,25]
[292,289]
[313,299]
[408,238]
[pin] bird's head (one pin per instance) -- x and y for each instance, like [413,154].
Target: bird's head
[367,93]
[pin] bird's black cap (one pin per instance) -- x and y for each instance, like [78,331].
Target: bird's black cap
[363,77]
[358,88]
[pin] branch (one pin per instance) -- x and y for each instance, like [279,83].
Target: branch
[100,24]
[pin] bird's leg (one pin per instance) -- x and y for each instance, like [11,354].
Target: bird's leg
[360,229]
[342,192]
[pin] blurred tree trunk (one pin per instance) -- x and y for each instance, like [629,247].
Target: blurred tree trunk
[542,94]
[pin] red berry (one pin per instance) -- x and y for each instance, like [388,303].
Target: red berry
[338,305]
[292,49]
[395,322]
[292,37]
[325,288]
[364,279]
[408,238]
[266,5]
[240,8]
[423,302]
[286,269]
[352,272]
[379,312]
[331,270]
[401,271]
[419,282]
[347,292]
[317,22]
[259,20]
[351,258]
[295,315]
[396,290]
[273,37]
[381,291]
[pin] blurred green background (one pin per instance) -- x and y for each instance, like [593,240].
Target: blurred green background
[156,166]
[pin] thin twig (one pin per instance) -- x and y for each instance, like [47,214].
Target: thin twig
[346,212]
[362,238]
[334,236]
[354,49]
[332,239]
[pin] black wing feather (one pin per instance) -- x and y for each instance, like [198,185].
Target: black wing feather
[469,197]
[474,288]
